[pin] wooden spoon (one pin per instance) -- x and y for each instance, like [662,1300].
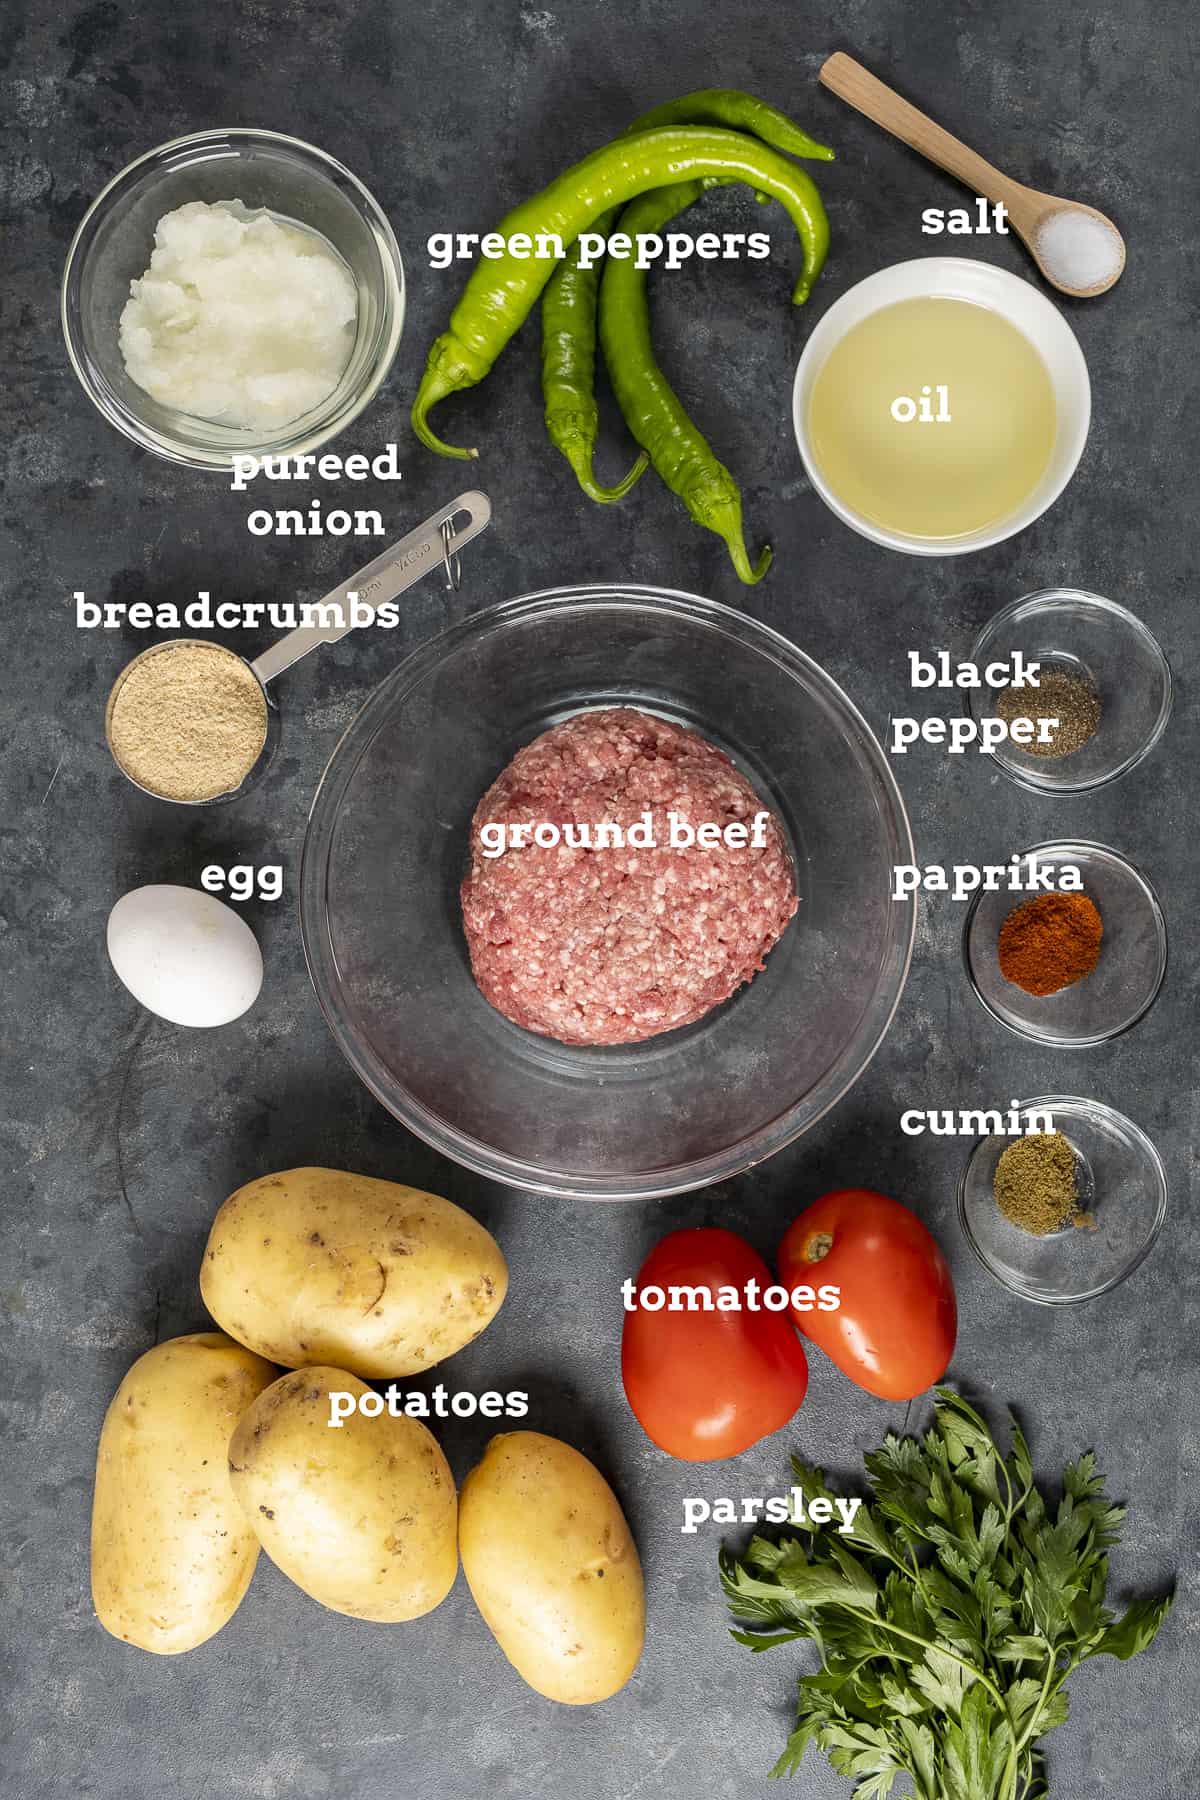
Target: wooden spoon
[1028,210]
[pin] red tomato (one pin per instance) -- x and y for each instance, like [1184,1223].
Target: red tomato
[705,1385]
[894,1331]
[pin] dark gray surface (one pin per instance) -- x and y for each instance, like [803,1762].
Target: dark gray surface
[450,115]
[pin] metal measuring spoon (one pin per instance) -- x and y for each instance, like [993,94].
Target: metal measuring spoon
[436,542]
[1029,210]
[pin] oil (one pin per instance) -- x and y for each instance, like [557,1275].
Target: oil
[933,418]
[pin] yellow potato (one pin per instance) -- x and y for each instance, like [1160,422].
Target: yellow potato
[553,1568]
[172,1554]
[362,1516]
[317,1266]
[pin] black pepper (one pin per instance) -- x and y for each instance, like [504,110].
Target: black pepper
[1064,707]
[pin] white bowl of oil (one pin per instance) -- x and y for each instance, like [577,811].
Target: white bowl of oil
[941,405]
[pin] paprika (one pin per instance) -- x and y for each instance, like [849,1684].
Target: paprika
[1051,942]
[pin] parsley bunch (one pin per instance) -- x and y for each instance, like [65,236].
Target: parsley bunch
[948,1632]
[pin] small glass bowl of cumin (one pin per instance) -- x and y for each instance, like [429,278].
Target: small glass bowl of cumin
[1099,660]
[1128,973]
[1122,1189]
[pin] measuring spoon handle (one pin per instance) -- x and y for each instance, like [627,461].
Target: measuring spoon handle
[880,103]
[393,571]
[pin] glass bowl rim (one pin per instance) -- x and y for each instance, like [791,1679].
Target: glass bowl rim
[463,1149]
[1104,1037]
[1032,779]
[1051,1102]
[175,450]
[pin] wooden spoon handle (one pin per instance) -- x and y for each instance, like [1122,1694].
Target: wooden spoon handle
[856,85]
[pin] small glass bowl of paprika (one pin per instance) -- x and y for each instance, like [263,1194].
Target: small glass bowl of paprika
[1066,965]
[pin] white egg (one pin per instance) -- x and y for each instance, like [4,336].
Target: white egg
[184,955]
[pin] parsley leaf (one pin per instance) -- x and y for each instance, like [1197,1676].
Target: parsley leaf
[948,1619]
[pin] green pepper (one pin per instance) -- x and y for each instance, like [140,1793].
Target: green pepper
[569,302]
[652,409]
[568,376]
[733,110]
[500,294]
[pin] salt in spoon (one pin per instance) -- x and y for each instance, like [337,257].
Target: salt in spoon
[1029,211]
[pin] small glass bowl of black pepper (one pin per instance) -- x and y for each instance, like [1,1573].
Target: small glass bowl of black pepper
[1121,1189]
[1103,696]
[1124,972]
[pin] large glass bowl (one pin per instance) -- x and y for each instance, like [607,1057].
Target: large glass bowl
[112,247]
[387,848]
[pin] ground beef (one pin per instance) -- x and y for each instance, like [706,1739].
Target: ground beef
[609,946]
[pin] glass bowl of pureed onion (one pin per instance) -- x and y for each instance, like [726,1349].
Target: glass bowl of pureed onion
[388,844]
[269,174]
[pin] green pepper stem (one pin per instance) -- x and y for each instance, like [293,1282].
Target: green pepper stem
[741,560]
[428,437]
[445,373]
[580,460]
